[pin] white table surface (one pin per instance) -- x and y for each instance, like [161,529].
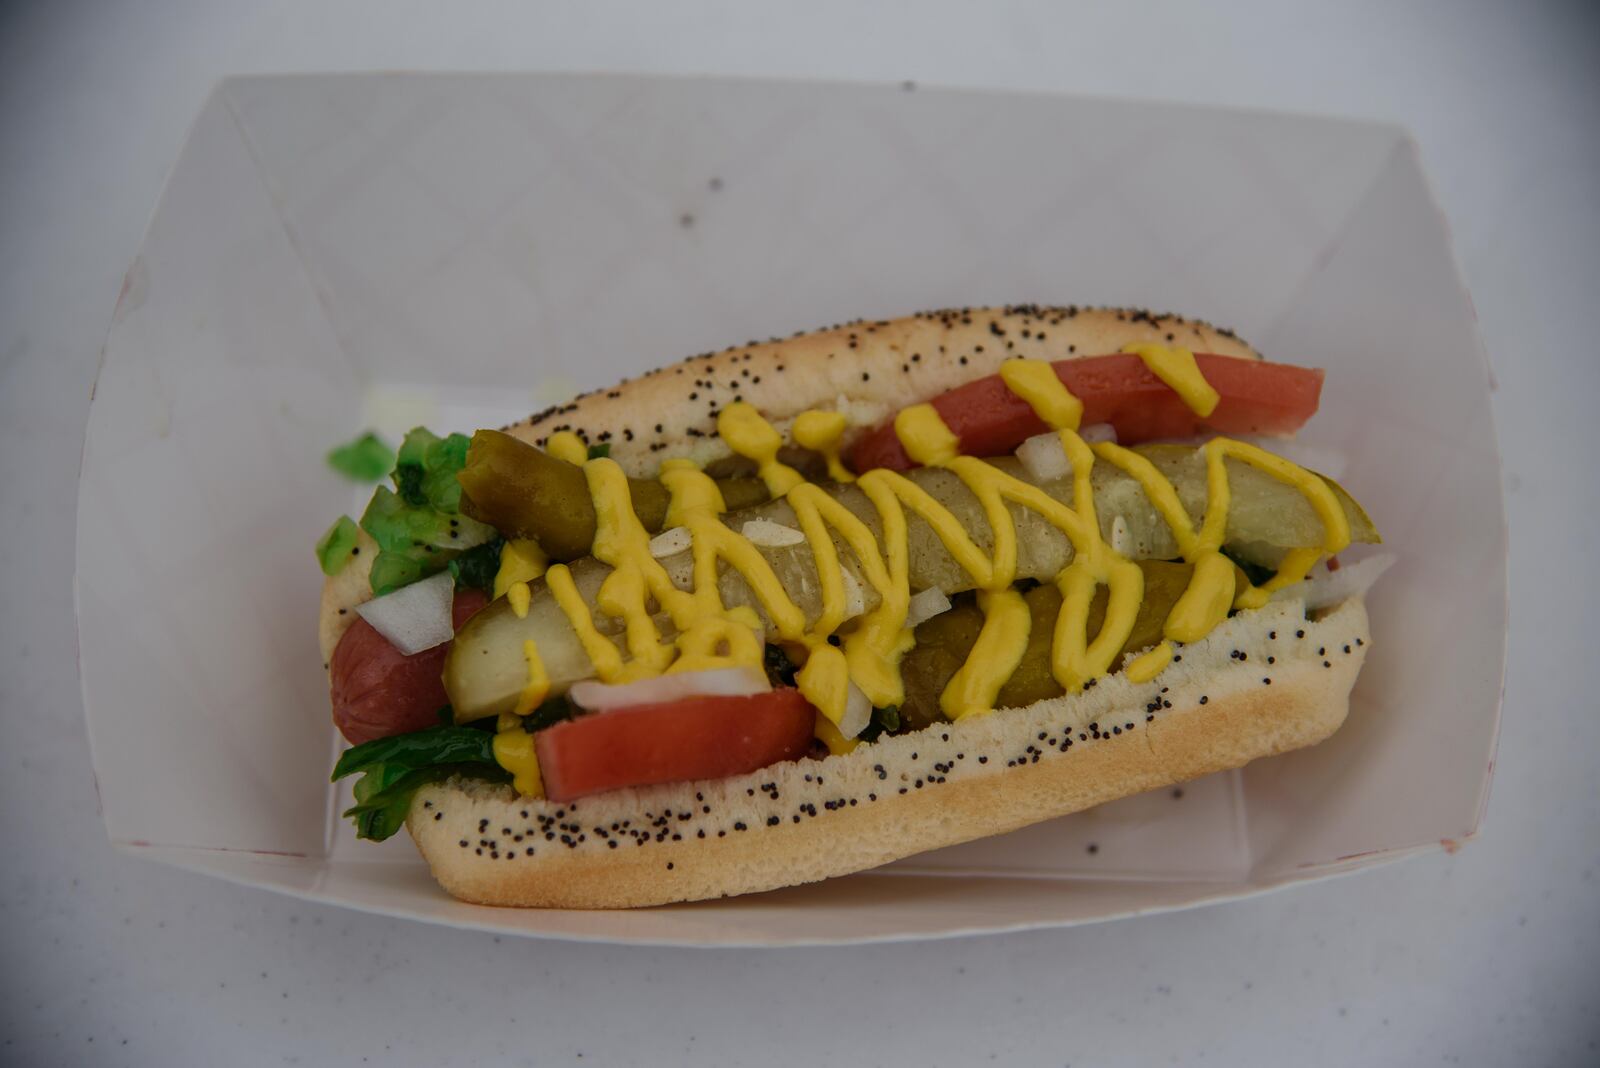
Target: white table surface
[1489,956]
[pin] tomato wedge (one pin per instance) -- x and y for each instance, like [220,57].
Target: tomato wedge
[1256,398]
[674,741]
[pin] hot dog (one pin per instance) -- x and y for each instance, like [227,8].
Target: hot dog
[378,691]
[691,568]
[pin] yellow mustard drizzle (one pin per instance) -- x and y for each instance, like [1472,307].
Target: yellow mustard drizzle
[519,595]
[1035,381]
[1150,663]
[1205,602]
[565,445]
[521,560]
[695,503]
[752,437]
[538,687]
[602,654]
[821,432]
[513,750]
[1074,658]
[711,635]
[994,657]
[870,653]
[924,436]
[1176,367]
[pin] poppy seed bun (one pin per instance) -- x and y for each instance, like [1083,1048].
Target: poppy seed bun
[806,820]
[341,592]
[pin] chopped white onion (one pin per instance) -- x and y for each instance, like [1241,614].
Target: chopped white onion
[670,542]
[680,570]
[925,605]
[857,713]
[855,602]
[1097,432]
[1323,587]
[1121,539]
[770,535]
[1044,458]
[721,682]
[414,618]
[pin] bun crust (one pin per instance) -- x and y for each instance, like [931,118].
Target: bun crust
[808,820]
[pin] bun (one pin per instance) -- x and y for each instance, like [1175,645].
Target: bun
[870,369]
[808,820]
[341,592]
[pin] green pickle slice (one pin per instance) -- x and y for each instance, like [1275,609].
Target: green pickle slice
[486,671]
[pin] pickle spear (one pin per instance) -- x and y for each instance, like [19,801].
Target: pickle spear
[486,672]
[524,492]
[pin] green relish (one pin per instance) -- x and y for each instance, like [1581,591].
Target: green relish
[418,525]
[335,547]
[366,459]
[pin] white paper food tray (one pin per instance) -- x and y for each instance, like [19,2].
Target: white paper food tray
[333,251]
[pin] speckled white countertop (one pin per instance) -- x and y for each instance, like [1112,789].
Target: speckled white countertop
[1488,956]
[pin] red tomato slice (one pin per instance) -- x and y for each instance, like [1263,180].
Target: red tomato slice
[674,741]
[1256,397]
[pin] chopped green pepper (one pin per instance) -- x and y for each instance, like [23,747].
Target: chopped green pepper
[391,570]
[414,449]
[444,459]
[410,466]
[366,459]
[333,548]
[415,542]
